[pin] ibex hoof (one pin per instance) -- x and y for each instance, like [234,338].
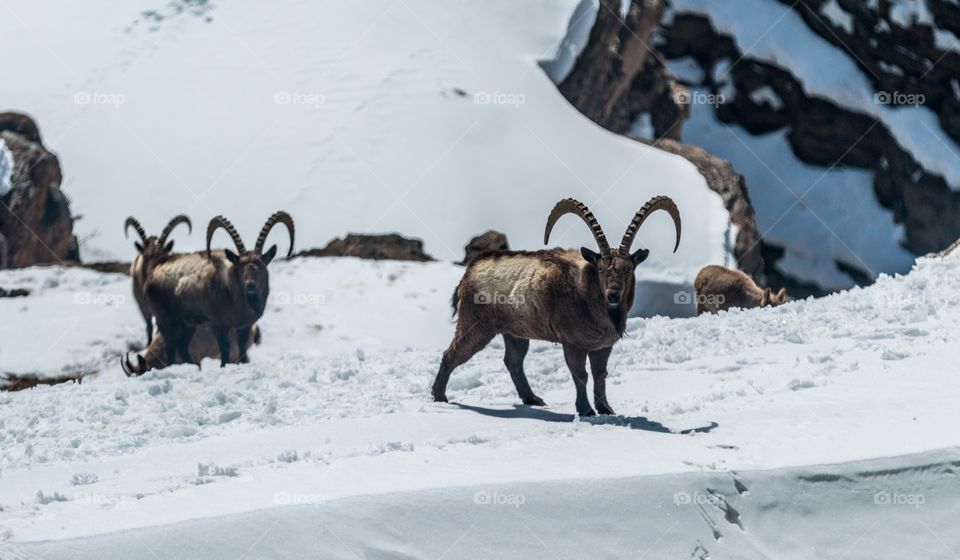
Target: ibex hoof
[586,413]
[534,401]
[439,397]
[604,409]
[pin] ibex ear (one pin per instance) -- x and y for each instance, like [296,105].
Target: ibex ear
[231,256]
[782,295]
[639,256]
[589,256]
[138,246]
[765,299]
[268,256]
[168,247]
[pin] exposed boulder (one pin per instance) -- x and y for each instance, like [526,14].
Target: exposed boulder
[487,241]
[376,247]
[35,220]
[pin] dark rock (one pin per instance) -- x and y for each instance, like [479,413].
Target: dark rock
[35,219]
[376,247]
[488,241]
[15,292]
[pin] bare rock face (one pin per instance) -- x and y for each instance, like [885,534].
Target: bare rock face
[822,133]
[618,76]
[35,222]
[485,242]
[375,247]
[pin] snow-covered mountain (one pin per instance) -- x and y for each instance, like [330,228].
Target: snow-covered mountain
[434,121]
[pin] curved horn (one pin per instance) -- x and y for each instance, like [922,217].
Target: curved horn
[131,221]
[221,222]
[177,220]
[573,206]
[280,217]
[652,205]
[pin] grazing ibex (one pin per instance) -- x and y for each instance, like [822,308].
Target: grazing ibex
[228,290]
[579,299]
[720,288]
[150,249]
[203,345]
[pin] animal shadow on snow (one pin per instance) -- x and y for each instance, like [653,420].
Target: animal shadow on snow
[535,413]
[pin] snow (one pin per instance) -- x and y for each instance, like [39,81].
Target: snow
[766,95]
[837,15]
[6,168]
[380,116]
[773,32]
[340,425]
[574,41]
[907,13]
[816,214]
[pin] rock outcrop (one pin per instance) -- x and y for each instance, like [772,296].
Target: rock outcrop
[376,247]
[487,241]
[35,222]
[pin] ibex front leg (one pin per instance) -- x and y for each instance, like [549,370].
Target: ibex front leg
[577,362]
[598,366]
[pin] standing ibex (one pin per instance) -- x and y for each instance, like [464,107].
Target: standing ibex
[579,299]
[719,288]
[228,290]
[150,249]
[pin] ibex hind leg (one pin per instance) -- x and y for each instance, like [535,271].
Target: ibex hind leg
[462,348]
[515,352]
[223,344]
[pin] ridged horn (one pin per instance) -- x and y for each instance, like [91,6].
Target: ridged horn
[656,203]
[177,220]
[573,206]
[221,222]
[131,221]
[280,217]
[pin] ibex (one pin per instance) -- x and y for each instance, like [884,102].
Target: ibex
[228,290]
[150,249]
[578,299]
[203,345]
[720,288]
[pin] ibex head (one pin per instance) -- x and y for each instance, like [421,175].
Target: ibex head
[772,298]
[151,246]
[250,267]
[615,269]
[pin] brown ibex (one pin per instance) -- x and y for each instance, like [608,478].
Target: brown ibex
[578,299]
[202,345]
[719,288]
[228,290]
[150,249]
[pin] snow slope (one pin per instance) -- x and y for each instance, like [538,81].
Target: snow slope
[430,119]
[322,422]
